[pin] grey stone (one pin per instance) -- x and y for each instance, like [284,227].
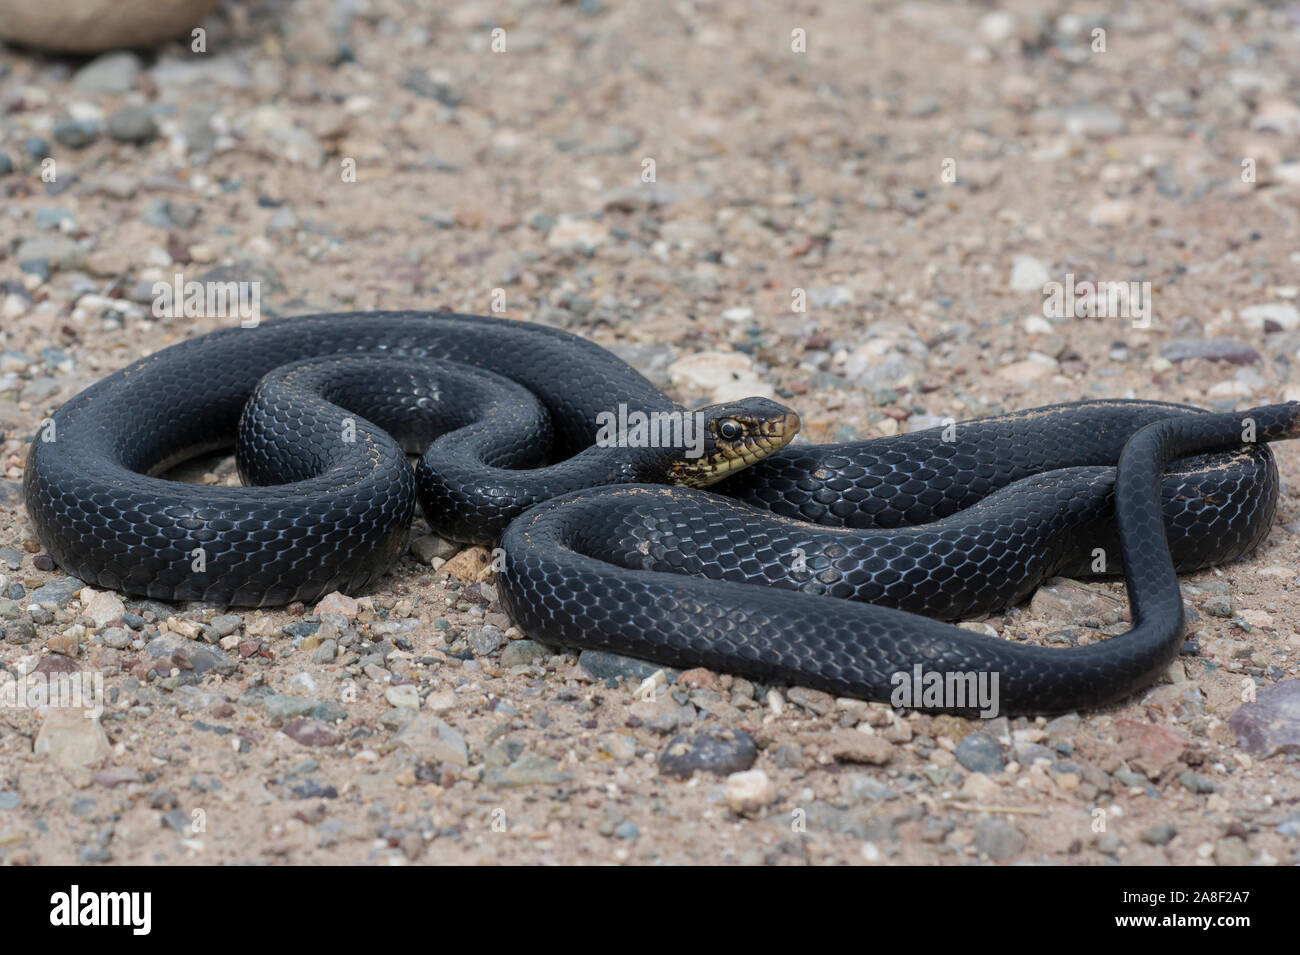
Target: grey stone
[485,640]
[132,124]
[1211,349]
[326,652]
[603,665]
[225,624]
[980,753]
[58,251]
[281,706]
[1161,834]
[523,652]
[57,592]
[110,73]
[720,751]
[18,631]
[528,770]
[430,739]
[998,839]
[76,134]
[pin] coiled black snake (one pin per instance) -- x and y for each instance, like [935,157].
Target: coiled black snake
[1001,503]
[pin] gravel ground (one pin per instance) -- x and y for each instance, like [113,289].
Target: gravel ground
[860,218]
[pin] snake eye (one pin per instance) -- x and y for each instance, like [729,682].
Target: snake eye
[729,429]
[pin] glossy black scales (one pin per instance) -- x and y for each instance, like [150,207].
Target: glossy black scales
[949,522]
[602,569]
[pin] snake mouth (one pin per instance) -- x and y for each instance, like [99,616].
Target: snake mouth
[764,436]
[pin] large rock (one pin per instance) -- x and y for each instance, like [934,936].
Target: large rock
[91,26]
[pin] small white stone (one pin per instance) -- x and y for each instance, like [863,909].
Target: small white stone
[101,606]
[404,697]
[1111,212]
[71,739]
[997,27]
[440,701]
[1028,274]
[1287,317]
[338,603]
[749,791]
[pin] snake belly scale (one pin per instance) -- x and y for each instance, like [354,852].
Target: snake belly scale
[598,551]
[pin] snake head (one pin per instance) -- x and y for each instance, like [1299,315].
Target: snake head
[734,435]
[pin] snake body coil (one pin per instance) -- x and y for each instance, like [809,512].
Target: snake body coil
[948,523]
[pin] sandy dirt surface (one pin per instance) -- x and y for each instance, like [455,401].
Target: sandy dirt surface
[855,207]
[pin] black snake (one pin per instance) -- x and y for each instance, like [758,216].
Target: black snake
[950,522]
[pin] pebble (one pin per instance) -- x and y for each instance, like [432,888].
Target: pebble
[1111,212]
[722,375]
[325,652]
[485,640]
[1028,274]
[19,631]
[76,133]
[528,770]
[604,665]
[226,624]
[102,606]
[281,706]
[473,565]
[721,751]
[853,746]
[405,696]
[1218,607]
[815,701]
[620,747]
[110,73]
[1160,834]
[1154,748]
[627,830]
[117,638]
[56,251]
[432,740]
[1232,850]
[57,592]
[999,839]
[1064,600]
[749,791]
[1196,783]
[980,753]
[311,732]
[1271,724]
[1228,350]
[863,787]
[70,739]
[524,652]
[132,124]
[428,547]
[36,148]
[1260,317]
[92,26]
[338,603]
